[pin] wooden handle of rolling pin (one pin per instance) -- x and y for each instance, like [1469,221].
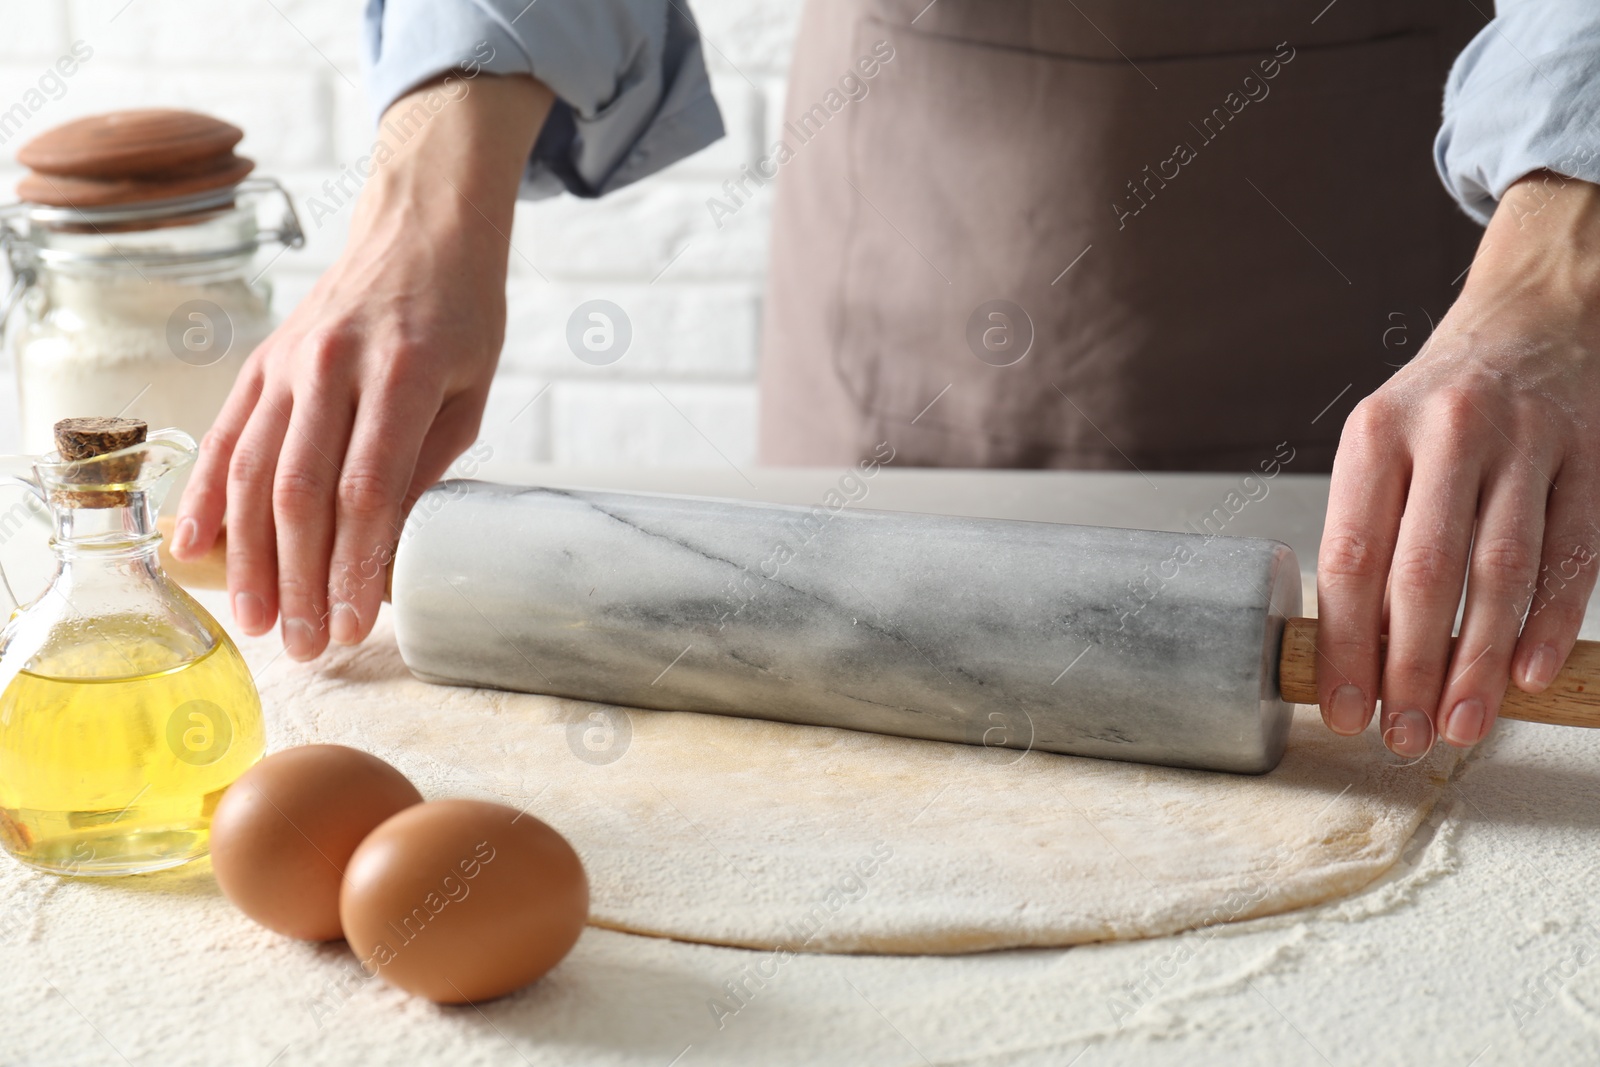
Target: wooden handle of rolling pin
[1573,699]
[210,571]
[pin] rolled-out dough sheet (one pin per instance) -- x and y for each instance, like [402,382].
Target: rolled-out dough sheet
[742,832]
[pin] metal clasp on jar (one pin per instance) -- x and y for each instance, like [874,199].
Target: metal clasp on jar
[24,255]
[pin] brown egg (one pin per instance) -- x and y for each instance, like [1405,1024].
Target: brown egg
[283,833]
[463,900]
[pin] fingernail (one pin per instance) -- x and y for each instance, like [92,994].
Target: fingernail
[1410,734]
[250,613]
[1347,711]
[299,638]
[1540,668]
[184,537]
[1463,727]
[344,624]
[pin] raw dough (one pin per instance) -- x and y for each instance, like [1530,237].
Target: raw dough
[742,832]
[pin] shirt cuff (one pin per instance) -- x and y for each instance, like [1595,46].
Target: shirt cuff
[629,76]
[1523,96]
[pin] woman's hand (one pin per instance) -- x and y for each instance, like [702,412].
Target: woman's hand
[1479,462]
[378,379]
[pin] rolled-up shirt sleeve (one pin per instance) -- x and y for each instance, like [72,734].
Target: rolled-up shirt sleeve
[1523,96]
[629,76]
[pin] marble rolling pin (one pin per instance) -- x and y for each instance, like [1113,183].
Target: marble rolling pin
[1122,644]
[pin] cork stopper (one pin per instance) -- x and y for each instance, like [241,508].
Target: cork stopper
[88,438]
[97,435]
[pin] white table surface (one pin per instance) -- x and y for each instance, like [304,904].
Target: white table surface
[1479,948]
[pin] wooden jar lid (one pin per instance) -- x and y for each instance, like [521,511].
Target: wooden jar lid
[129,157]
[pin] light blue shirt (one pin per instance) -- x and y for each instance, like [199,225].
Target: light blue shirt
[633,95]
[1523,96]
[629,77]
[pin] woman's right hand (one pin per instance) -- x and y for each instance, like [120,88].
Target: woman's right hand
[377,381]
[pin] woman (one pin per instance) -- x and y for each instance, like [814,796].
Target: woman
[1012,234]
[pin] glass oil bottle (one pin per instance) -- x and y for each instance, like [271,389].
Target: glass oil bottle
[125,710]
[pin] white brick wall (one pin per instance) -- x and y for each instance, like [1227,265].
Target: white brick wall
[288,72]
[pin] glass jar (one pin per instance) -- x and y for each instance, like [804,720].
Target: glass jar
[144,311]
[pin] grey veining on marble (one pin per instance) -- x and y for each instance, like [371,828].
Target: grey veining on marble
[1123,644]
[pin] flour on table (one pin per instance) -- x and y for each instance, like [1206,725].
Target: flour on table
[766,835]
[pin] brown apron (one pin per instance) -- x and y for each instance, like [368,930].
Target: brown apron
[1103,233]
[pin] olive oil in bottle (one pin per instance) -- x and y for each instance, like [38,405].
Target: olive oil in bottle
[125,710]
[115,765]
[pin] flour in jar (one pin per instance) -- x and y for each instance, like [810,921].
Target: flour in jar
[159,348]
